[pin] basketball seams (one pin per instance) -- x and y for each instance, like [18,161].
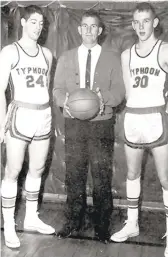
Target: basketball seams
[83,104]
[84,111]
[73,108]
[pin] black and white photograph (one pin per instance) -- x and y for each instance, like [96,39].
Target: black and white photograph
[84,128]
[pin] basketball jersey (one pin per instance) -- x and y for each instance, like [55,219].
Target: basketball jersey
[28,78]
[147,79]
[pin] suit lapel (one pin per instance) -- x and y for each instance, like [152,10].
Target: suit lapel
[98,68]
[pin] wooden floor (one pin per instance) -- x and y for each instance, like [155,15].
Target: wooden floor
[147,244]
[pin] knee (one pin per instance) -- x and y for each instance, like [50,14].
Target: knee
[132,174]
[134,169]
[11,174]
[36,171]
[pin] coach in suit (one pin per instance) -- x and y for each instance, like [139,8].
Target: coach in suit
[89,141]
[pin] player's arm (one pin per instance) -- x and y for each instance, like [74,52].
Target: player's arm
[125,58]
[163,61]
[163,56]
[8,55]
[59,89]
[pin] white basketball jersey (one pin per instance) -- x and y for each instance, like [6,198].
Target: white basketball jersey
[28,78]
[147,79]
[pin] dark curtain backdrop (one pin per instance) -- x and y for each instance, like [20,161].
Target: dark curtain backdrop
[60,34]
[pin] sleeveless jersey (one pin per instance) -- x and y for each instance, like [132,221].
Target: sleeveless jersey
[147,79]
[28,78]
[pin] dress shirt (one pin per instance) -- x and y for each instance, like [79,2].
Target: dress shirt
[82,58]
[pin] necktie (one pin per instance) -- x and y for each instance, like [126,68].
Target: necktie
[88,69]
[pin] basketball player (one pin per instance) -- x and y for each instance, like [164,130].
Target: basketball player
[26,66]
[145,66]
[89,142]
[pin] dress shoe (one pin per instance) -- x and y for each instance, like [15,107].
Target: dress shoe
[102,236]
[66,231]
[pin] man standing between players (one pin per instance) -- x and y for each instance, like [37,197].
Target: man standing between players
[145,66]
[89,141]
[26,66]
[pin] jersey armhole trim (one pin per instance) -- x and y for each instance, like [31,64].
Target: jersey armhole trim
[130,57]
[46,60]
[18,56]
[158,57]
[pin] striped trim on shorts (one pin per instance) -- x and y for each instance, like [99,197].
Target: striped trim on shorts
[29,122]
[162,139]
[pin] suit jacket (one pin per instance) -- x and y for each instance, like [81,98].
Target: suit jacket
[108,77]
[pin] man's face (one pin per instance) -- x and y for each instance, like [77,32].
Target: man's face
[144,23]
[89,30]
[33,26]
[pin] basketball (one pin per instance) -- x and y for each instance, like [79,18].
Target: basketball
[83,104]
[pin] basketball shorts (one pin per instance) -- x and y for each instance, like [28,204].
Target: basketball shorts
[28,121]
[145,127]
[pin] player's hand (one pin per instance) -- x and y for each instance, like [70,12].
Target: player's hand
[66,107]
[98,92]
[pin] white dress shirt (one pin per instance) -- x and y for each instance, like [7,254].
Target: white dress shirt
[82,58]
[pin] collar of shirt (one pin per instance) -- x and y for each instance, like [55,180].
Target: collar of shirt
[82,58]
[94,50]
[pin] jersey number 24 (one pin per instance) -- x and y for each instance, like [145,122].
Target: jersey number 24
[31,82]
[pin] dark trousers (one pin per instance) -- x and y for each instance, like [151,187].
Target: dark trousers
[89,142]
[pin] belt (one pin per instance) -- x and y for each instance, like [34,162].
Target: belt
[30,105]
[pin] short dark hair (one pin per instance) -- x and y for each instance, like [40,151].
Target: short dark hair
[145,6]
[29,10]
[94,14]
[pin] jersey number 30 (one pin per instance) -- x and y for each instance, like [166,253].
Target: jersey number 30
[30,81]
[141,82]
